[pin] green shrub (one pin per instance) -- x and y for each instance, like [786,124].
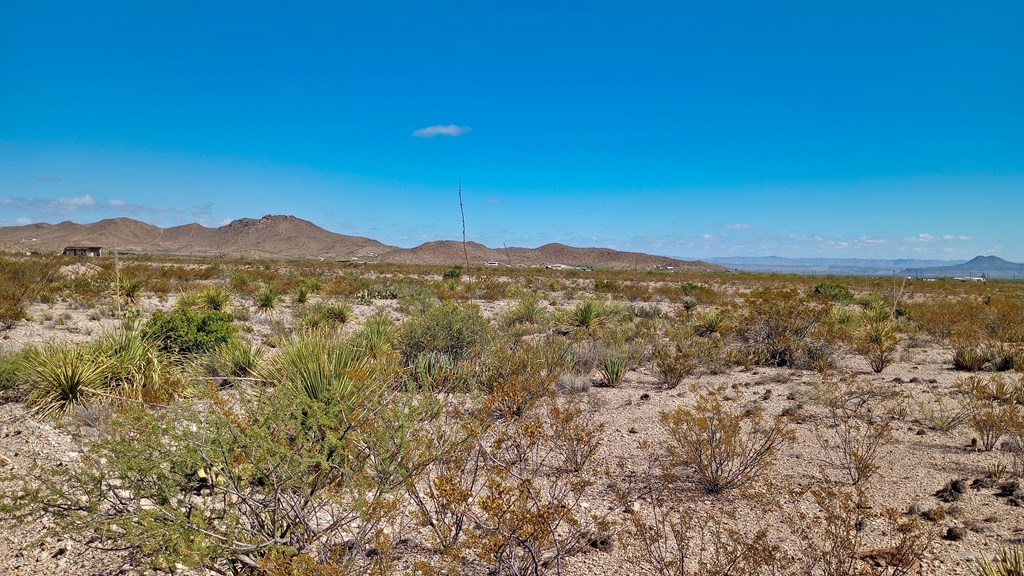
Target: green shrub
[183,331]
[453,273]
[223,487]
[833,291]
[781,327]
[446,328]
[10,371]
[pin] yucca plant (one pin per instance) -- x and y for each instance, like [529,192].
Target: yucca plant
[877,342]
[238,358]
[588,315]
[302,293]
[317,362]
[526,311]
[325,315]
[969,358]
[136,369]
[377,337]
[1008,562]
[129,289]
[710,322]
[61,377]
[267,299]
[613,370]
[215,298]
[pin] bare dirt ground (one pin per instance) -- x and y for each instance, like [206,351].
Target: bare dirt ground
[914,464]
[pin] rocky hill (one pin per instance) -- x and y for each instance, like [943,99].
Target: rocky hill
[291,237]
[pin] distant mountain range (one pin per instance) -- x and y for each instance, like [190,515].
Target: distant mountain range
[826,266]
[987,266]
[291,237]
[979,266]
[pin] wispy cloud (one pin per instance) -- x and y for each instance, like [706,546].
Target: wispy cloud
[920,238]
[49,204]
[957,237]
[49,178]
[738,226]
[872,240]
[441,130]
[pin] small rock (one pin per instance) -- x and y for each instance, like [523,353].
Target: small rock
[921,432]
[645,396]
[4,462]
[633,430]
[955,533]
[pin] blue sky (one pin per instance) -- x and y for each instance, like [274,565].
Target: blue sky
[696,129]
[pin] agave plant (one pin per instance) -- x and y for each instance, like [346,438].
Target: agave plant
[238,358]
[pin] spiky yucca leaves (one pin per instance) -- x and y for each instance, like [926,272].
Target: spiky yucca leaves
[136,369]
[129,288]
[238,358]
[527,311]
[1008,562]
[317,362]
[215,298]
[325,315]
[708,323]
[613,369]
[378,335]
[877,341]
[267,299]
[588,315]
[61,377]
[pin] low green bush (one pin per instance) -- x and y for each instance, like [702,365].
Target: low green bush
[834,291]
[446,328]
[185,332]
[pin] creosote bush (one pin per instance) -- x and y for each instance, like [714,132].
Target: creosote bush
[446,328]
[719,449]
[183,332]
[781,326]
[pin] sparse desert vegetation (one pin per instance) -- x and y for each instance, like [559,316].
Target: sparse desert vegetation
[232,416]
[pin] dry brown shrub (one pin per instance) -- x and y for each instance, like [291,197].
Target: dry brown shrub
[719,449]
[854,431]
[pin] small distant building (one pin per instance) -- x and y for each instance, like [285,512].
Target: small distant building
[557,267]
[82,251]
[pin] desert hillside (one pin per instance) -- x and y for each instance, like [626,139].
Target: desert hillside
[275,236]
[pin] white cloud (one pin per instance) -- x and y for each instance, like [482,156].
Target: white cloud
[956,237]
[76,202]
[441,130]
[871,240]
[738,226]
[920,238]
